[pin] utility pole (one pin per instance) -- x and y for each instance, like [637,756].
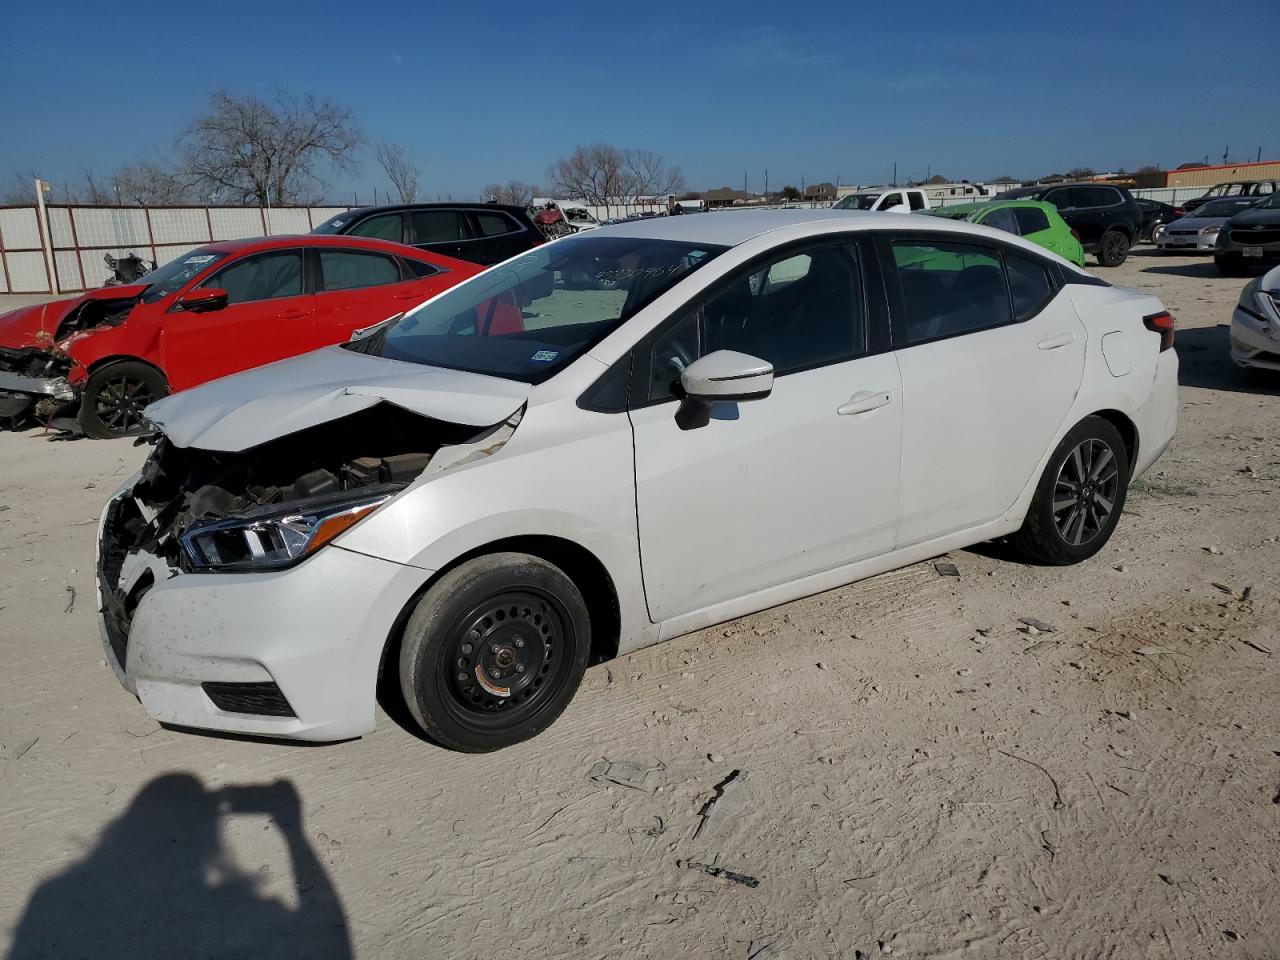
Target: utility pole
[895,173]
[766,183]
[744,181]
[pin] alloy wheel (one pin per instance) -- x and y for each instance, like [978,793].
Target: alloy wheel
[119,403]
[1085,492]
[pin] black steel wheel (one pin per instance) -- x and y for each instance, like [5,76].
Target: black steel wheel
[1081,493]
[1114,248]
[115,397]
[494,652]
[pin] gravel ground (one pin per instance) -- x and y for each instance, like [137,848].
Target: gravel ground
[918,775]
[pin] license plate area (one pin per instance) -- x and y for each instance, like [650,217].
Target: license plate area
[1252,251]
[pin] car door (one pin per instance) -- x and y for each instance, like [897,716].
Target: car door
[771,490]
[1033,224]
[446,231]
[991,353]
[1001,218]
[380,226]
[358,288]
[890,202]
[270,315]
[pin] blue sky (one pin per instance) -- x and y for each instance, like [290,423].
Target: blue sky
[497,90]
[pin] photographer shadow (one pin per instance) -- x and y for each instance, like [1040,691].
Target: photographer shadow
[159,883]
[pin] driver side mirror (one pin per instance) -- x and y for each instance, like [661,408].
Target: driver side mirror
[204,300]
[727,376]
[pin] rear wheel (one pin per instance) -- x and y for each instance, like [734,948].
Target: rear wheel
[1078,501]
[494,652]
[115,396]
[1113,250]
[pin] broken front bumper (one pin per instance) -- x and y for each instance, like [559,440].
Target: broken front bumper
[291,654]
[1254,342]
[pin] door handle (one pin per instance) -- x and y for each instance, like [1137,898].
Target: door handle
[863,402]
[1053,343]
[412,295]
[292,314]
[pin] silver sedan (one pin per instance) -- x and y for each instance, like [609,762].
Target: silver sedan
[1199,233]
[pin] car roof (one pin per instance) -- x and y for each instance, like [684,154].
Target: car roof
[730,228]
[289,240]
[443,205]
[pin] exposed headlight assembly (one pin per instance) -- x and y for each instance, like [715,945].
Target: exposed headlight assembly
[274,537]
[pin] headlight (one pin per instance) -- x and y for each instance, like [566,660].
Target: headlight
[1211,231]
[273,537]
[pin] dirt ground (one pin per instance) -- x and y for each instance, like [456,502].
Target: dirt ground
[918,775]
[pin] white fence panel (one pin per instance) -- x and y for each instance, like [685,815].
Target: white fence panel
[290,220]
[19,228]
[26,272]
[60,227]
[108,227]
[233,224]
[179,225]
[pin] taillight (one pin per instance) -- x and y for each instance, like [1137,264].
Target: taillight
[1161,323]
[1076,235]
[1179,212]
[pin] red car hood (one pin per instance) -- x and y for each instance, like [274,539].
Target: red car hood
[37,325]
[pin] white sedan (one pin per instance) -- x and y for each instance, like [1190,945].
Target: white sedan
[609,441]
[1255,326]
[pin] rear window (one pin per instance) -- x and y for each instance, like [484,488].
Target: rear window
[352,269]
[494,224]
[1030,220]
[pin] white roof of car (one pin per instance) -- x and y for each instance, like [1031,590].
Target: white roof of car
[731,228]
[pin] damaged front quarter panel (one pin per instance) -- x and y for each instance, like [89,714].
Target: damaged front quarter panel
[207,511]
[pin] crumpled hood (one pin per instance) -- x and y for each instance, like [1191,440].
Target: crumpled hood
[34,326]
[250,408]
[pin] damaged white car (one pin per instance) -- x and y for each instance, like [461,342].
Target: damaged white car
[526,474]
[1255,326]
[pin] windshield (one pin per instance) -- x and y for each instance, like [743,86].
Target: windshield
[335,223]
[1222,208]
[856,201]
[174,275]
[533,315]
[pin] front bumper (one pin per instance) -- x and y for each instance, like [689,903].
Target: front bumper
[1257,252]
[316,632]
[1188,243]
[1254,343]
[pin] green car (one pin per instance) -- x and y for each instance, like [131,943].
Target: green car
[1036,220]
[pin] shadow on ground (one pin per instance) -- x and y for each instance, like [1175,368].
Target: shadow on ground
[159,883]
[1204,360]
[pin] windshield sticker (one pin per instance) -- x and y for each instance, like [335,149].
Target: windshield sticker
[544,356]
[203,258]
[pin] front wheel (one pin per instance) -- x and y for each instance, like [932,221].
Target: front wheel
[115,396]
[494,652]
[1078,501]
[1113,249]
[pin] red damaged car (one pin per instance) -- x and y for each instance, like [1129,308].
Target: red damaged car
[226,307]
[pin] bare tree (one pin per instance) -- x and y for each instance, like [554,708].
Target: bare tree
[247,150]
[149,183]
[604,175]
[648,175]
[1081,173]
[1148,168]
[401,169]
[514,192]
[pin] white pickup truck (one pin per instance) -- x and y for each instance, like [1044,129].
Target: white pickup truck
[899,199]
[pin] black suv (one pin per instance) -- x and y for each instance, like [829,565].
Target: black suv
[1107,219]
[484,233]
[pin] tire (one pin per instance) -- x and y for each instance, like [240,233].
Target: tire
[1230,266]
[1113,248]
[1077,530]
[114,397]
[475,633]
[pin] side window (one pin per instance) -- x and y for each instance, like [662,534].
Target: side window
[1062,199]
[437,226]
[419,269]
[949,289]
[797,311]
[1030,220]
[352,269]
[1029,284]
[266,276]
[494,224]
[890,200]
[386,226]
[1002,219]
[917,200]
